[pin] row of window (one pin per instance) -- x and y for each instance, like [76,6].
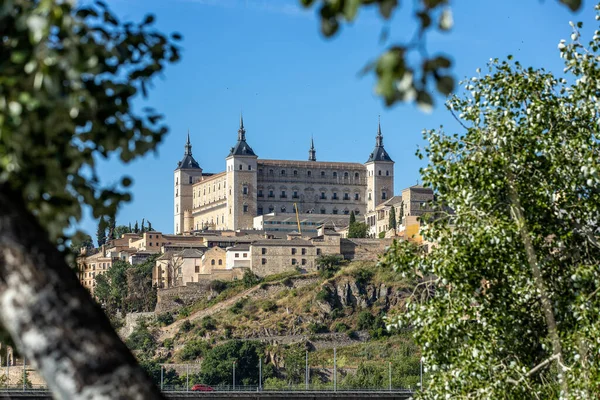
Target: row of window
[295,173]
[283,195]
[294,250]
[294,261]
[283,209]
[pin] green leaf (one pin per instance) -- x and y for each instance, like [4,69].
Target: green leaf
[445,84]
[574,5]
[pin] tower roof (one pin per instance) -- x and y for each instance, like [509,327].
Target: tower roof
[188,161]
[379,153]
[312,152]
[241,148]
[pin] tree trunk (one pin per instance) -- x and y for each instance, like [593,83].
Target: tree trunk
[54,321]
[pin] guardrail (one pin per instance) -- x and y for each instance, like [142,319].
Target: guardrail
[36,389]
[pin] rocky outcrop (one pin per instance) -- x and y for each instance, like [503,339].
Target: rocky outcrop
[346,291]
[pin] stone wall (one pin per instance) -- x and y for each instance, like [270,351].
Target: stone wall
[364,249]
[176,297]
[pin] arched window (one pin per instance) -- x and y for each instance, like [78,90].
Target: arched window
[334,174]
[282,209]
[345,175]
[220,262]
[212,262]
[241,167]
[356,175]
[387,173]
[379,172]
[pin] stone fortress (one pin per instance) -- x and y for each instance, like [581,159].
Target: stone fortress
[265,194]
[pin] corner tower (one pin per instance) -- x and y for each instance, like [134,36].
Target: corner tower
[380,174]
[186,174]
[241,183]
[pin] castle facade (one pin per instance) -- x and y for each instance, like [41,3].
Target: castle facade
[251,187]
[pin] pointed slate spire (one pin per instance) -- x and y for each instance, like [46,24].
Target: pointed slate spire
[379,154]
[241,148]
[188,161]
[312,152]
[188,146]
[241,131]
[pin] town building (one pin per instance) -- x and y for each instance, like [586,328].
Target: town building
[276,190]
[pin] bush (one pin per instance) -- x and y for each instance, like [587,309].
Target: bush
[328,265]
[381,235]
[250,279]
[323,295]
[208,323]
[165,319]
[365,320]
[186,326]
[287,282]
[218,286]
[194,349]
[238,306]
[340,327]
[168,343]
[362,275]
[141,338]
[184,312]
[316,327]
[268,306]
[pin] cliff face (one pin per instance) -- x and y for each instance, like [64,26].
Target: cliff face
[346,291]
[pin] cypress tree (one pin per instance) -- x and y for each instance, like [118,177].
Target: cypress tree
[392,222]
[101,232]
[136,229]
[143,229]
[352,218]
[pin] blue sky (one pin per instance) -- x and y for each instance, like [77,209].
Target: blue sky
[268,58]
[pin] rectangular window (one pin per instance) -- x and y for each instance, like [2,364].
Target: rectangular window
[303,251]
[323,197]
[260,193]
[295,195]
[245,208]
[237,255]
[197,269]
[245,190]
[294,262]
[335,211]
[318,252]
[304,261]
[259,211]
[335,196]
[263,251]
[271,193]
[245,255]
[346,196]
[283,195]
[383,195]
[293,251]
[356,196]
[263,261]
[150,243]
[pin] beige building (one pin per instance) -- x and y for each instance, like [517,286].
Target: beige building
[251,187]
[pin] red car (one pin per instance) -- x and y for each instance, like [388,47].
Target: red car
[199,387]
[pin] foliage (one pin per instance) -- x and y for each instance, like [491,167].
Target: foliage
[52,132]
[120,230]
[218,363]
[164,319]
[101,232]
[141,338]
[506,305]
[365,320]
[25,376]
[208,323]
[352,218]
[392,219]
[294,363]
[186,326]
[81,241]
[381,235]
[405,71]
[217,286]
[341,327]
[363,275]
[127,288]
[358,230]
[317,327]
[250,279]
[329,264]
[238,306]
[269,306]
[194,349]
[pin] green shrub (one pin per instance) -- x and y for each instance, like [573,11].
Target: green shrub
[208,323]
[238,306]
[328,265]
[168,343]
[365,320]
[381,235]
[218,286]
[194,349]
[141,338]
[186,326]
[316,327]
[165,319]
[340,327]
[323,295]
[363,275]
[269,306]
[184,312]
[250,279]
[287,282]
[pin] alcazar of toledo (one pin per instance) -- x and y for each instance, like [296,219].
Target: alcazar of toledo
[278,195]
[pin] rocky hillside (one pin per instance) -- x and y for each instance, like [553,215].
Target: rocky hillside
[342,307]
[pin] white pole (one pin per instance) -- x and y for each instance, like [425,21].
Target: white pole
[306,372]
[161,378]
[234,375]
[390,374]
[260,374]
[24,373]
[334,370]
[187,377]
[7,369]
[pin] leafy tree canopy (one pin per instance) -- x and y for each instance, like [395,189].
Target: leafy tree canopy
[506,304]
